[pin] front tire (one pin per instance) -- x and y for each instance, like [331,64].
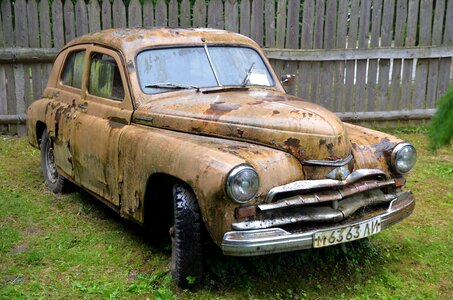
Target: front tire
[186,238]
[54,181]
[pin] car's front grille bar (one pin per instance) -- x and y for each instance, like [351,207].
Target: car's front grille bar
[305,186]
[324,196]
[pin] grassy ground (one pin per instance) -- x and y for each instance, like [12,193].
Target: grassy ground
[71,246]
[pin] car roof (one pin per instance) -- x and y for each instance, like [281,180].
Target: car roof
[131,40]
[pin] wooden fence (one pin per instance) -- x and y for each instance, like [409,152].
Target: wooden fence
[366,59]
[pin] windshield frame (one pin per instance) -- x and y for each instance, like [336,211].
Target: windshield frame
[206,47]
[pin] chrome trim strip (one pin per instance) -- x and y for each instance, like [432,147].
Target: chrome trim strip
[332,163]
[306,185]
[267,241]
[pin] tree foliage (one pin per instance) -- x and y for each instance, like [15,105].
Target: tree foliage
[441,127]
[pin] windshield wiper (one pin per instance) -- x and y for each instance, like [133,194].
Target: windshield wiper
[169,85]
[247,76]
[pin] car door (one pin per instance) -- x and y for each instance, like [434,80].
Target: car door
[104,112]
[61,112]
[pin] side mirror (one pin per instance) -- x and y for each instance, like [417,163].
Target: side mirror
[288,79]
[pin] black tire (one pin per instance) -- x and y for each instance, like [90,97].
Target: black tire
[54,181]
[186,238]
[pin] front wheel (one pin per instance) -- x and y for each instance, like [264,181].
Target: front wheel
[54,181]
[186,238]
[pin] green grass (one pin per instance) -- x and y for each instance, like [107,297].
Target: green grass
[71,246]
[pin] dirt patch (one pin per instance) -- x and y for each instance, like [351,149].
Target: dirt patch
[20,249]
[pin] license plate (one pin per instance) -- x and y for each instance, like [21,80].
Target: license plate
[346,234]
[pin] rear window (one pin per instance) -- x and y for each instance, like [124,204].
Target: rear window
[73,69]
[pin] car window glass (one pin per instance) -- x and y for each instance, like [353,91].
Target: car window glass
[177,66]
[105,78]
[233,63]
[73,69]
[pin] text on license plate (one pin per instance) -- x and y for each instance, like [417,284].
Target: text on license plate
[346,234]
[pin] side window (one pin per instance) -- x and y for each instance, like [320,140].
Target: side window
[105,79]
[73,69]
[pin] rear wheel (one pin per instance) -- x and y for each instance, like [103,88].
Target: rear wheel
[186,238]
[54,181]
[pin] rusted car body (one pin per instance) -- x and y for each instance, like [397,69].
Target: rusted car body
[318,181]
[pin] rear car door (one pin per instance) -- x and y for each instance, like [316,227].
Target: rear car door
[104,111]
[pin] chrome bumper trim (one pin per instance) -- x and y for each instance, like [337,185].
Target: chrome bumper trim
[274,240]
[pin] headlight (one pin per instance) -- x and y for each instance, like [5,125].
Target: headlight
[242,184]
[403,158]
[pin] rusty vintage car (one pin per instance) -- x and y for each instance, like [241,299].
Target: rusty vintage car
[189,131]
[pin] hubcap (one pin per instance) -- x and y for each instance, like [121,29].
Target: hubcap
[51,167]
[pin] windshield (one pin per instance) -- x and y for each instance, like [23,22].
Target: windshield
[163,70]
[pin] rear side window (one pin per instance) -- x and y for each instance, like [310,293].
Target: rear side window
[73,69]
[105,78]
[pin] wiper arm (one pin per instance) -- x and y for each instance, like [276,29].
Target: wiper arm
[169,85]
[247,76]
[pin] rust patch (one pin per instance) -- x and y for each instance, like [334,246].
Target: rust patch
[383,148]
[322,142]
[292,142]
[275,112]
[330,149]
[240,132]
[196,129]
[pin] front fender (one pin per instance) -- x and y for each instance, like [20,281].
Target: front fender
[203,163]
[371,149]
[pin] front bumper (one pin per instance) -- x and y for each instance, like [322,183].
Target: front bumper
[274,240]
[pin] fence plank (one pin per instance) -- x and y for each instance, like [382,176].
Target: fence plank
[3,96]
[106,14]
[269,23]
[135,14]
[199,14]
[327,66]
[81,17]
[33,38]
[119,14]
[245,17]
[94,13]
[425,26]
[21,72]
[231,15]
[395,91]
[281,30]
[318,40]
[412,21]
[372,86]
[433,67]
[46,38]
[161,13]
[292,37]
[148,13]
[306,42]
[215,14]
[446,63]
[173,13]
[256,26]
[185,13]
[7,23]
[69,21]
[384,64]
[340,43]
[364,24]
[57,24]
[350,65]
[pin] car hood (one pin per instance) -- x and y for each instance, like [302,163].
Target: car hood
[275,119]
